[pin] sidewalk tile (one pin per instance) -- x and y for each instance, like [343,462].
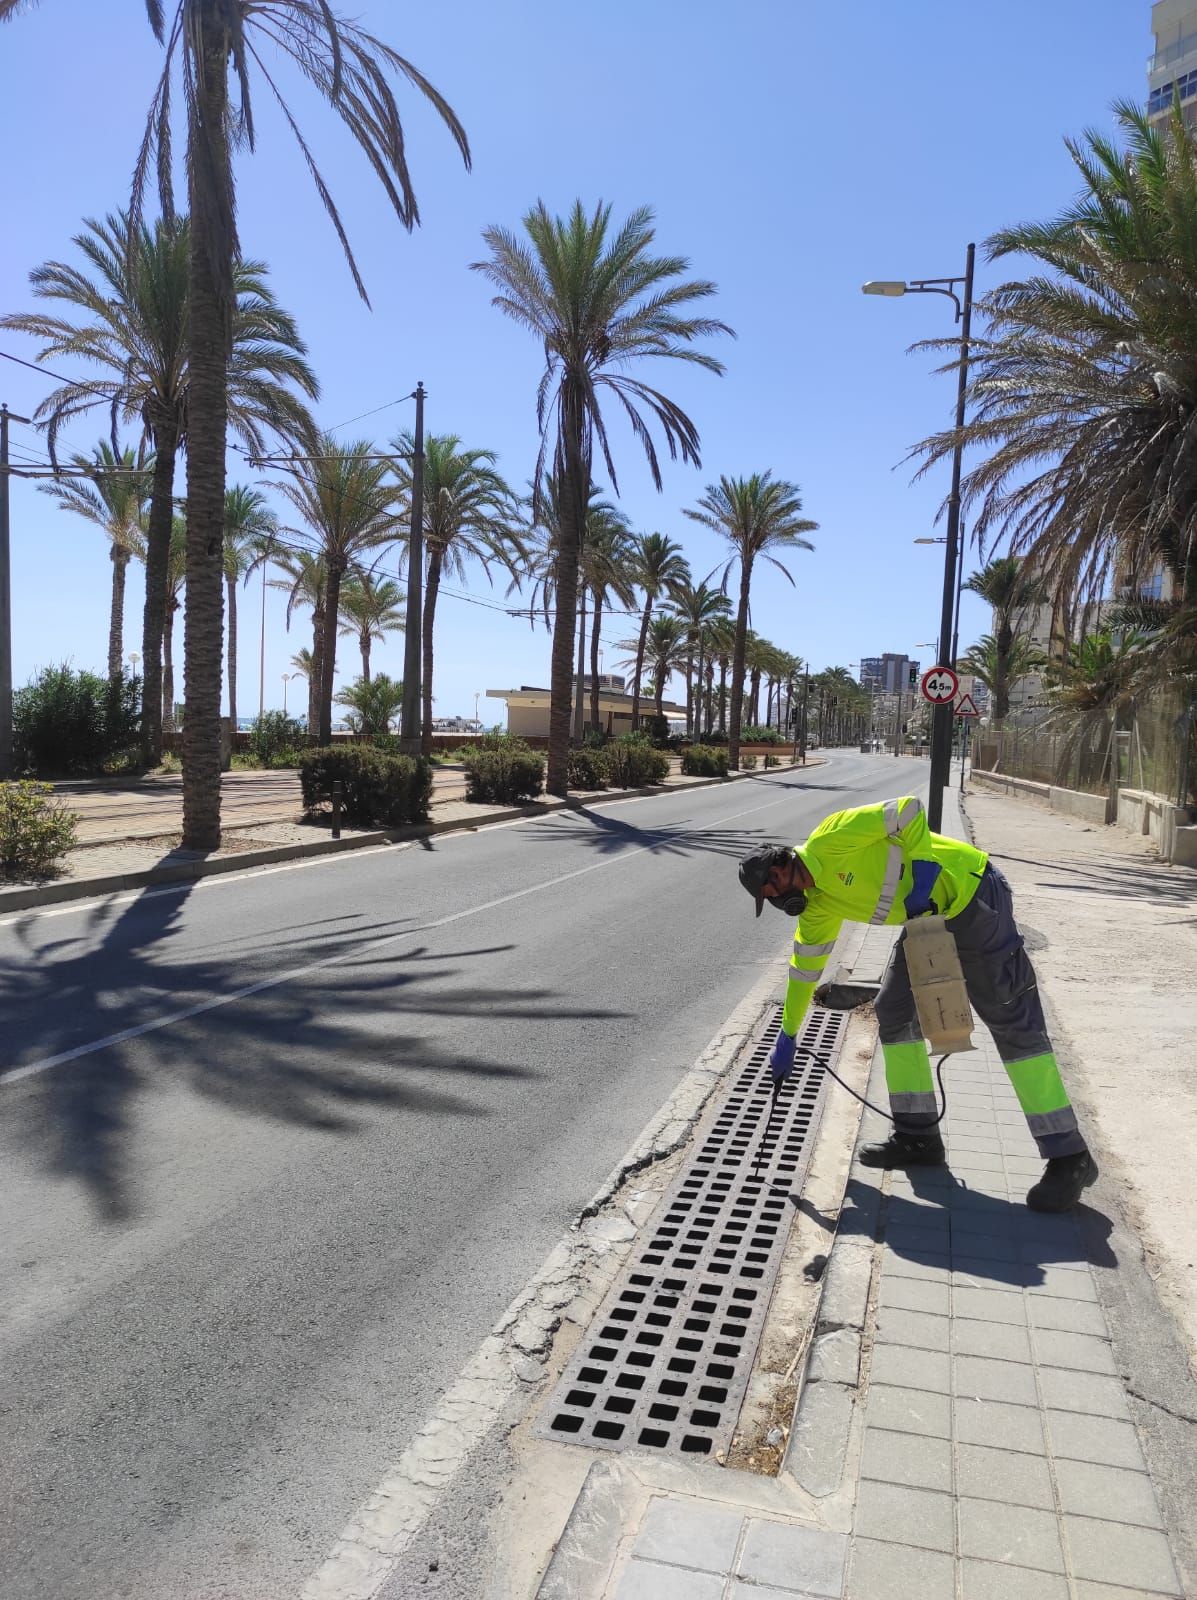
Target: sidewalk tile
[903,1458]
[960,1144]
[1091,1393]
[904,1516]
[1003,1426]
[968,1248]
[1001,1341]
[990,1272]
[1079,1351]
[647,1580]
[1021,1535]
[988,1580]
[881,1571]
[1061,1283]
[689,1534]
[990,1305]
[987,1379]
[1067,1316]
[912,1369]
[1104,1591]
[743,1590]
[908,1238]
[1005,1475]
[1136,1558]
[913,1328]
[809,1560]
[917,1411]
[977,1161]
[928,1266]
[910,1295]
[1100,1439]
[995,1217]
[1112,1493]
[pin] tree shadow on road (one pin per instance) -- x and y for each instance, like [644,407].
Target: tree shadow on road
[611,835]
[353,1026]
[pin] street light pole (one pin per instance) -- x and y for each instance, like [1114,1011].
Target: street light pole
[410,737]
[5,601]
[941,723]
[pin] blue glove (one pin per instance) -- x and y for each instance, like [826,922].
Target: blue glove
[922,876]
[781,1057]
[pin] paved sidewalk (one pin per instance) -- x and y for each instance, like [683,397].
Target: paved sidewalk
[964,1431]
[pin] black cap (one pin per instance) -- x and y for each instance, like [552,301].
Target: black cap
[755,870]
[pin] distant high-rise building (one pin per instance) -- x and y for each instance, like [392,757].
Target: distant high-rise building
[1173,67]
[870,671]
[898,672]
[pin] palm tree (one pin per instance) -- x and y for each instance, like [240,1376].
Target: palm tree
[373,703]
[1093,688]
[658,565]
[372,609]
[126,312]
[1000,667]
[114,500]
[304,583]
[665,651]
[607,570]
[757,655]
[176,576]
[470,514]
[755,515]
[721,644]
[1010,586]
[1083,391]
[348,67]
[698,607]
[249,528]
[344,498]
[599,303]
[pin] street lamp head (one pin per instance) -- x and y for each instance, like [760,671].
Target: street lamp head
[885,286]
[930,541]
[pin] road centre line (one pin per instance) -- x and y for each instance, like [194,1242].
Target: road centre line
[33,1068]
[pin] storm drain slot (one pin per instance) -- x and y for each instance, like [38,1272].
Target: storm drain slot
[666,1361]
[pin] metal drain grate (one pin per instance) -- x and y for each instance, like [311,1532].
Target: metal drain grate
[666,1361]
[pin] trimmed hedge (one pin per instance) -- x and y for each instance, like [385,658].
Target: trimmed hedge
[759,734]
[773,761]
[633,763]
[704,761]
[747,763]
[70,724]
[36,830]
[378,789]
[503,770]
[587,769]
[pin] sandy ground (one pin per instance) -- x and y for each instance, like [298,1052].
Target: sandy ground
[1112,931]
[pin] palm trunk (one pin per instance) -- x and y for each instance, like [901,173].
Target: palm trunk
[212,239]
[723,696]
[432,584]
[328,665]
[575,492]
[595,640]
[640,645]
[710,692]
[660,686]
[690,695]
[231,584]
[157,556]
[1001,687]
[363,643]
[116,615]
[315,676]
[737,705]
[167,677]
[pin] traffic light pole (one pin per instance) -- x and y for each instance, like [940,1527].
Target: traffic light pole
[410,728]
[5,601]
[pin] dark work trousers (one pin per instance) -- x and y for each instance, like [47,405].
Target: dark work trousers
[1005,995]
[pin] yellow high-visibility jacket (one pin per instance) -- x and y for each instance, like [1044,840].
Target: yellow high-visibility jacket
[861,863]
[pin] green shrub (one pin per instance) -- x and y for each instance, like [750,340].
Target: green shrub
[747,763]
[703,761]
[633,763]
[272,734]
[772,761]
[67,723]
[658,730]
[36,830]
[761,735]
[502,770]
[378,789]
[587,769]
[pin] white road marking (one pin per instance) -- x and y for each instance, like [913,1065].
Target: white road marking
[33,1068]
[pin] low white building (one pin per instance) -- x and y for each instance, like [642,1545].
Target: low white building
[528,707]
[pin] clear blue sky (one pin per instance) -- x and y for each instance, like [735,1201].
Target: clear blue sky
[790,150]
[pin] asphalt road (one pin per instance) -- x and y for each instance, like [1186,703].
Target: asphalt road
[302,1137]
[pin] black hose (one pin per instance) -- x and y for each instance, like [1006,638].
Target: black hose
[943,1094]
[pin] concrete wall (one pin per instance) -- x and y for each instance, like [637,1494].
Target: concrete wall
[1167,826]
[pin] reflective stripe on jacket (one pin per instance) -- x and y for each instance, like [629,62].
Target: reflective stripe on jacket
[861,862]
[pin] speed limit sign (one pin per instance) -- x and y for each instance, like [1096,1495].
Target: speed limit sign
[939,685]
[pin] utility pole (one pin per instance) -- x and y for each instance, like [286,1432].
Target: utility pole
[5,601]
[410,736]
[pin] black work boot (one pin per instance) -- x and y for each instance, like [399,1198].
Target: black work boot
[905,1150]
[1064,1178]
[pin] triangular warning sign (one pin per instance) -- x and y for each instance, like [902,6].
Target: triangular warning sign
[966,707]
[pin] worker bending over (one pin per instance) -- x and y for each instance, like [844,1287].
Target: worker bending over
[881,864]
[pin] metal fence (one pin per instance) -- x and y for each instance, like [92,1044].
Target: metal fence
[1154,747]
